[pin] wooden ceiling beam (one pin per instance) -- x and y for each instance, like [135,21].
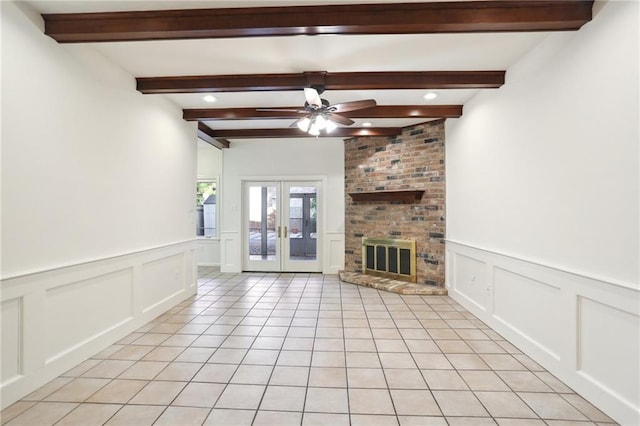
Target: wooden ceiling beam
[330,81]
[380,111]
[207,134]
[340,132]
[385,18]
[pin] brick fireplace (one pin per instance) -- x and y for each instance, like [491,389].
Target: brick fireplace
[394,188]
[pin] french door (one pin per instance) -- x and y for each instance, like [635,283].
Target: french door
[281,226]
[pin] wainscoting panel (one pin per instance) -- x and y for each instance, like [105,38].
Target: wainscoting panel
[209,252]
[583,329]
[230,252]
[161,279]
[473,280]
[601,350]
[518,302]
[11,345]
[54,319]
[106,301]
[334,252]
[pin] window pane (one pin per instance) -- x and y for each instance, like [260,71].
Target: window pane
[206,209]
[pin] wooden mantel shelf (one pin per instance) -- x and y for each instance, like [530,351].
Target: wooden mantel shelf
[406,195]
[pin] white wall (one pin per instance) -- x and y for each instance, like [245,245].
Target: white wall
[97,204]
[209,167]
[543,207]
[90,167]
[283,158]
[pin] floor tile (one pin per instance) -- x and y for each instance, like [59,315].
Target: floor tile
[215,373]
[139,415]
[227,417]
[241,396]
[280,418]
[366,378]
[370,401]
[328,359]
[586,408]
[252,374]
[362,360]
[46,390]
[444,380]
[422,421]
[551,406]
[183,416]
[144,370]
[523,381]
[326,400]
[199,395]
[404,378]
[118,391]
[108,369]
[261,357]
[414,402]
[43,414]
[283,398]
[373,420]
[77,390]
[459,403]
[505,404]
[325,419]
[89,415]
[328,377]
[158,393]
[179,371]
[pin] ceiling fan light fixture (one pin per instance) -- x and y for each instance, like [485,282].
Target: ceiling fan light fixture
[313,130]
[304,124]
[331,126]
[320,122]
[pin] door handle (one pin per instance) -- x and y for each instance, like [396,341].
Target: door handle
[285,232]
[278,232]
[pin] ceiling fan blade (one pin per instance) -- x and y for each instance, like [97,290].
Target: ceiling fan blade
[312,97]
[341,119]
[354,105]
[282,110]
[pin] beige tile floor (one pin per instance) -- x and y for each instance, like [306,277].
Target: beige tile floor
[306,349]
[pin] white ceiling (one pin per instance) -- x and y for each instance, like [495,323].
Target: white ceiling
[295,54]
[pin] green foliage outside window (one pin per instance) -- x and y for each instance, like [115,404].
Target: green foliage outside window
[203,190]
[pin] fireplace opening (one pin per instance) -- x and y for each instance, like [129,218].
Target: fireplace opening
[389,258]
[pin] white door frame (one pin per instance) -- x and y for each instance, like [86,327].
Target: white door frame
[282,216]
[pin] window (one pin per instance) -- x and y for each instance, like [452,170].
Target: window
[206,204]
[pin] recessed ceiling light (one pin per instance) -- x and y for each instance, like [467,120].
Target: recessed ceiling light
[210,98]
[366,124]
[430,95]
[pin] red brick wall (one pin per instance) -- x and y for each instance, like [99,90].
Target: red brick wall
[413,160]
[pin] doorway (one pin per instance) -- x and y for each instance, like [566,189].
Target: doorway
[281,226]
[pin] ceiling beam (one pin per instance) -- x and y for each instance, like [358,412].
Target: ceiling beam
[330,81]
[206,134]
[340,132]
[380,111]
[389,18]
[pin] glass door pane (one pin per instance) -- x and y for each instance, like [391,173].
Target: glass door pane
[262,245]
[301,251]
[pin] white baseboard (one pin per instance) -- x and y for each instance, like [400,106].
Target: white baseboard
[53,320]
[584,330]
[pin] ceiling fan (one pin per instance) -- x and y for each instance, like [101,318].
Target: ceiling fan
[320,115]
